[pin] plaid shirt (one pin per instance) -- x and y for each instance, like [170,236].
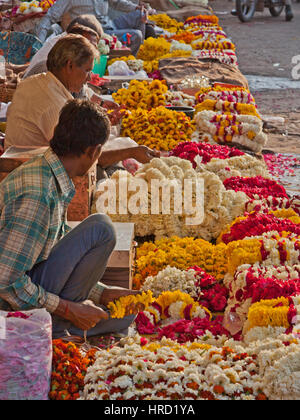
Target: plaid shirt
[33,206]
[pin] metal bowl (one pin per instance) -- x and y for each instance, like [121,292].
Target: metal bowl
[188,110]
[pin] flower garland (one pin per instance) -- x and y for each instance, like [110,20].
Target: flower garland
[168,371]
[202,287]
[207,152]
[223,44]
[129,305]
[179,99]
[153,49]
[224,107]
[278,312]
[252,283]
[181,253]
[142,95]
[223,56]
[246,130]
[235,95]
[202,19]
[160,128]
[256,187]
[69,366]
[255,224]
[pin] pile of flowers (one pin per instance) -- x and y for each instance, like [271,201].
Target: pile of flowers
[159,128]
[142,95]
[245,130]
[280,312]
[256,224]
[177,98]
[206,152]
[194,281]
[130,305]
[167,214]
[224,107]
[69,366]
[154,49]
[165,22]
[253,283]
[182,253]
[108,43]
[256,187]
[230,94]
[169,371]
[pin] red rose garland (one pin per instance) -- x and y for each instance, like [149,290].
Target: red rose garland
[256,186]
[189,151]
[258,223]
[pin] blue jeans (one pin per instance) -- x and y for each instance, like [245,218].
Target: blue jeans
[130,23]
[76,263]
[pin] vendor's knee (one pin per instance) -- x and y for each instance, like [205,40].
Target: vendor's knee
[104,226]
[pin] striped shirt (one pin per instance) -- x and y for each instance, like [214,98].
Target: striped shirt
[33,207]
[74,8]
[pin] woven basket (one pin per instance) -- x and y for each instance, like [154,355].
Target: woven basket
[6,94]
[27,23]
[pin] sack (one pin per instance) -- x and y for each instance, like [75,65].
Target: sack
[25,355]
[119,68]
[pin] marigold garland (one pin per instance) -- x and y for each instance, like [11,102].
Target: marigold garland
[160,128]
[129,305]
[142,95]
[226,107]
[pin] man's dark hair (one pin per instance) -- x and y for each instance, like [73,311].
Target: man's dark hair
[81,124]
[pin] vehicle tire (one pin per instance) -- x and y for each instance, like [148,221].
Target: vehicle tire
[276,10]
[245,9]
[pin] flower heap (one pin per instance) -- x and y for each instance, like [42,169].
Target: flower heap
[182,253]
[220,206]
[234,94]
[108,43]
[168,371]
[207,152]
[130,305]
[160,128]
[251,284]
[69,366]
[201,286]
[142,95]
[227,107]
[256,224]
[227,128]
[165,22]
[209,40]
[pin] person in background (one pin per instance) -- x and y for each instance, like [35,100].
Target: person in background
[43,263]
[132,20]
[40,58]
[38,100]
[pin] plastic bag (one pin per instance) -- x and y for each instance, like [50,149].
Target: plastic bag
[119,68]
[25,355]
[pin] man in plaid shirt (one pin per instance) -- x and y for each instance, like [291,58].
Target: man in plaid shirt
[43,263]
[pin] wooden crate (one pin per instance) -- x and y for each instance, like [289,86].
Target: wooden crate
[119,271]
[80,206]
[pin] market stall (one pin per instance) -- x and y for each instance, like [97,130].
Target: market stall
[218,313]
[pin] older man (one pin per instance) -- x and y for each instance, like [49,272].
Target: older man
[38,100]
[132,20]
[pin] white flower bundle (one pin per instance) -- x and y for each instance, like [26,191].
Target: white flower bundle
[176,45]
[246,131]
[245,166]
[179,99]
[171,279]
[221,207]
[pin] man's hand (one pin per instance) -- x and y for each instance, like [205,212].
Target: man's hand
[111,294]
[144,154]
[85,315]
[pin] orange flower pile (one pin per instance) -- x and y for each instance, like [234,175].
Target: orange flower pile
[69,366]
